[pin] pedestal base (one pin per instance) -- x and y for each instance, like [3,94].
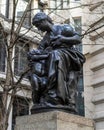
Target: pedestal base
[54,120]
[41,109]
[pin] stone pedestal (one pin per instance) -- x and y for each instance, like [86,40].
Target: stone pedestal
[54,120]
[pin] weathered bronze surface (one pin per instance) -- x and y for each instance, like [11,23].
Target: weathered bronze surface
[54,67]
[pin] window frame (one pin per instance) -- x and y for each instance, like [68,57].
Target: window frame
[27,21]
[19,56]
[2,54]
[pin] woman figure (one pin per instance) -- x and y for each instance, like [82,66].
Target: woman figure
[62,63]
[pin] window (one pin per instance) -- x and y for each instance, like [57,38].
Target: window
[59,4]
[20,63]
[80,97]
[7,9]
[3,7]
[21,6]
[78,29]
[80,89]
[20,108]
[2,53]
[78,25]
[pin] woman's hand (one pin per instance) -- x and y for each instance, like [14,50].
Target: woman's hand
[56,40]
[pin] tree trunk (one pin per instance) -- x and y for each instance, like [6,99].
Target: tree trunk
[8,83]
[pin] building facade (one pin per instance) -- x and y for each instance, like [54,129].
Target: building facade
[82,16]
[93,44]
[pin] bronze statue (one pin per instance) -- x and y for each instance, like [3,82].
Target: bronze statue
[54,66]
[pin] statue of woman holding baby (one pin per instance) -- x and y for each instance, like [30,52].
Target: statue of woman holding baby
[54,66]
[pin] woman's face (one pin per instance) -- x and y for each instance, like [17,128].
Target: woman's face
[42,25]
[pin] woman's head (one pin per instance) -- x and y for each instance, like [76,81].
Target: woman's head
[39,17]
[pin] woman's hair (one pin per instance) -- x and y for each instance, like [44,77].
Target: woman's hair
[41,16]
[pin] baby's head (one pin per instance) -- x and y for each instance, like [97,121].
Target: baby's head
[68,31]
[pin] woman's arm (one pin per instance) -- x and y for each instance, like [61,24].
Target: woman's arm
[43,42]
[60,39]
[73,40]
